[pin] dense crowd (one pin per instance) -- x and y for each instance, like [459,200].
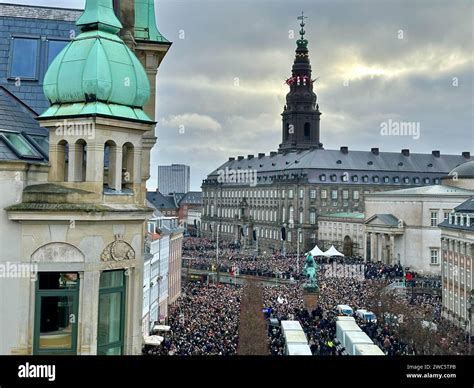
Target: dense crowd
[205,321]
[206,318]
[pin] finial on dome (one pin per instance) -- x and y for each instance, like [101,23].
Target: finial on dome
[99,15]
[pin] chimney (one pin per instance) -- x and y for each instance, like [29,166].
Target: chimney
[436,153]
[345,149]
[406,152]
[466,154]
[375,151]
[249,157]
[231,159]
[273,153]
[240,158]
[261,155]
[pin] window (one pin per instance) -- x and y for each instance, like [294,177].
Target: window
[56,309]
[355,195]
[333,178]
[322,178]
[288,236]
[416,180]
[333,194]
[312,217]
[307,130]
[406,180]
[54,48]
[345,194]
[301,217]
[283,194]
[434,218]
[396,179]
[375,179]
[300,237]
[290,194]
[355,178]
[365,179]
[301,195]
[290,214]
[324,194]
[111,319]
[445,215]
[434,253]
[24,58]
[312,194]
[20,145]
[41,142]
[426,181]
[386,179]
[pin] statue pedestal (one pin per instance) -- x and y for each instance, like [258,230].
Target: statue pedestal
[310,298]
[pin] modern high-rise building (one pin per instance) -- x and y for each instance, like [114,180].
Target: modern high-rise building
[173,179]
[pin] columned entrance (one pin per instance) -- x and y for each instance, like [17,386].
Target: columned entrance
[111,322]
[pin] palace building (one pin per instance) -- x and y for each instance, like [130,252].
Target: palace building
[74,179]
[277,198]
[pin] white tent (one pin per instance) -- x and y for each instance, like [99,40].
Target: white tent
[153,340]
[332,252]
[316,251]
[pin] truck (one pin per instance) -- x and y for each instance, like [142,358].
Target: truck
[344,309]
[298,350]
[367,350]
[366,316]
[353,338]
[345,326]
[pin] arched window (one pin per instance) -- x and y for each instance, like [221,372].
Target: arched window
[63,160]
[307,130]
[127,165]
[80,161]
[291,214]
[112,180]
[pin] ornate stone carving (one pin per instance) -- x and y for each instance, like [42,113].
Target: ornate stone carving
[117,251]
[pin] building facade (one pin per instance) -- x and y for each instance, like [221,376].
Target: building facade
[457,257]
[174,179]
[343,230]
[281,195]
[78,222]
[402,225]
[31,37]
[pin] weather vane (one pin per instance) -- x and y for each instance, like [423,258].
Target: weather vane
[302,24]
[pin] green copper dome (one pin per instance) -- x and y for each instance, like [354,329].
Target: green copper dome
[96,73]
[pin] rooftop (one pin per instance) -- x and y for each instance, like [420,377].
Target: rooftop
[39,12]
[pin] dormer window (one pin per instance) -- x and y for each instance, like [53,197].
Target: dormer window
[322,178]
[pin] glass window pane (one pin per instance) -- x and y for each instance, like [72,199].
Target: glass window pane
[24,57]
[110,279]
[54,48]
[57,280]
[109,318]
[42,142]
[20,145]
[56,328]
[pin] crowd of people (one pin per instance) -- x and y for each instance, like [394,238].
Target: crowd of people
[205,321]
[206,317]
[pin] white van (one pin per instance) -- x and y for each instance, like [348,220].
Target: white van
[366,316]
[344,309]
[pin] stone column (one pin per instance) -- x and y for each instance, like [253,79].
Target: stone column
[364,241]
[379,247]
[95,163]
[373,246]
[115,168]
[392,249]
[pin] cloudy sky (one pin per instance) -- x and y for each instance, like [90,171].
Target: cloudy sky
[221,87]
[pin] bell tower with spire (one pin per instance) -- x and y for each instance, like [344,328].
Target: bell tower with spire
[301,113]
